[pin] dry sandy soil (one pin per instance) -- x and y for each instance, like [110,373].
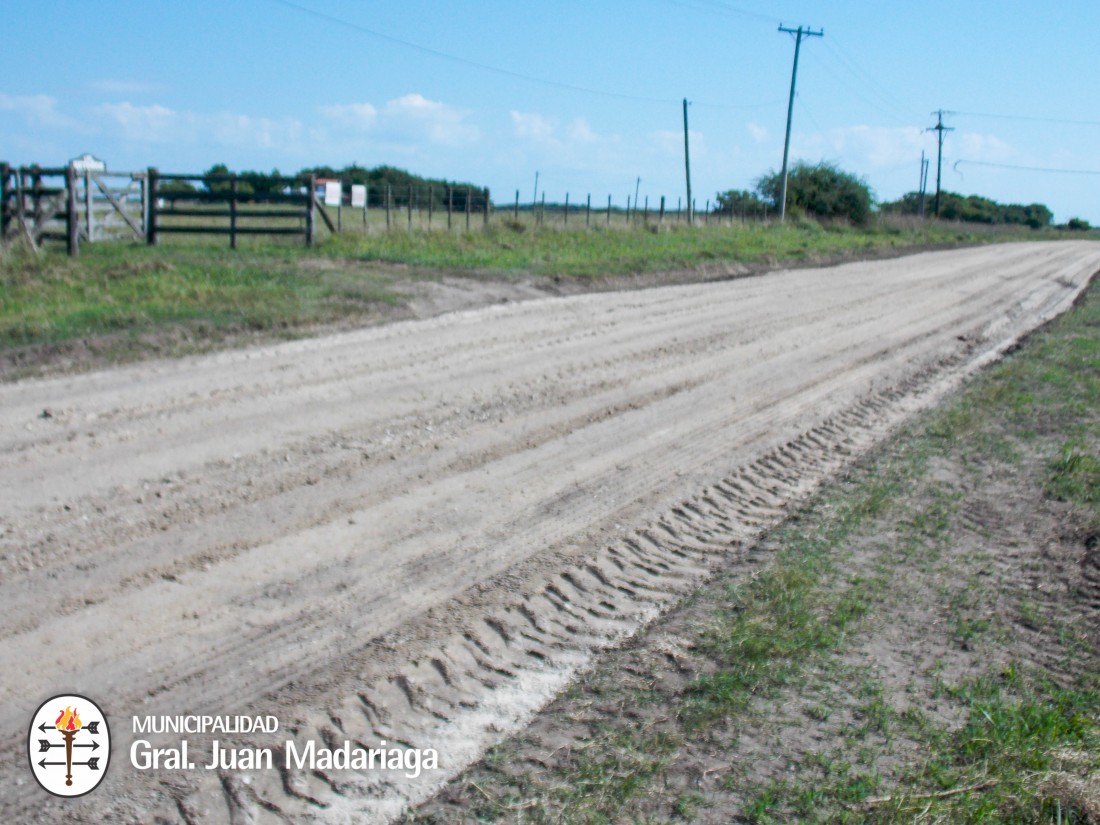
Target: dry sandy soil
[420,532]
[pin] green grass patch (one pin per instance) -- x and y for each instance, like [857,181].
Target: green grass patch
[601,252]
[115,288]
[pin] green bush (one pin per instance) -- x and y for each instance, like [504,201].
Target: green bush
[821,191]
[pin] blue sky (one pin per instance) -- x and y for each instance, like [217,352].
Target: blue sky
[588,94]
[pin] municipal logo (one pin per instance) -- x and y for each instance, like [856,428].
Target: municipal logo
[69,745]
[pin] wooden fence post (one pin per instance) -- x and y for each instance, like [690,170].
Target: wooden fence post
[588,211]
[450,205]
[153,179]
[467,208]
[609,210]
[567,209]
[20,201]
[515,209]
[89,228]
[144,178]
[311,210]
[661,217]
[645,212]
[488,205]
[5,194]
[233,211]
[72,217]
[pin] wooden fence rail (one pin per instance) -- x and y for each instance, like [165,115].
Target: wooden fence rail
[228,205]
[39,203]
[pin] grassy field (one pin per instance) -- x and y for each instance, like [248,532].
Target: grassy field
[918,643]
[189,293]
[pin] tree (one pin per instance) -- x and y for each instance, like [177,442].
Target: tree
[822,190]
[738,202]
[976,209]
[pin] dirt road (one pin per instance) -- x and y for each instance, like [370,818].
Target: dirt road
[416,533]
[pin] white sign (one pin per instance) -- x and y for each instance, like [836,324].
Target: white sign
[358,195]
[334,193]
[88,163]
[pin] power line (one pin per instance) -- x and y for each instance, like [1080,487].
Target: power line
[855,91]
[1028,168]
[1031,118]
[865,80]
[475,64]
[339,21]
[718,6]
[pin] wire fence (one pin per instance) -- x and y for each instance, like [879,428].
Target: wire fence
[77,206]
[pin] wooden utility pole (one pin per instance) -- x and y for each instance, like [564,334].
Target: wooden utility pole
[939,128]
[687,163]
[799,33]
[923,189]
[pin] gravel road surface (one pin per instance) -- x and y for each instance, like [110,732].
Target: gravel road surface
[417,533]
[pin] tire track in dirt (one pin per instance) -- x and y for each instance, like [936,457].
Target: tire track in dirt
[428,556]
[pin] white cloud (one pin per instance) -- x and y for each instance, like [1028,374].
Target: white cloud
[532,125]
[417,116]
[160,124]
[39,110]
[974,146]
[361,116]
[142,123]
[861,146]
[581,132]
[409,119]
[758,132]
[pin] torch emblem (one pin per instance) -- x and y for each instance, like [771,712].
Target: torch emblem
[69,745]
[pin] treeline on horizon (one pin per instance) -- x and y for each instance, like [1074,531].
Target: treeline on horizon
[376,180]
[820,191]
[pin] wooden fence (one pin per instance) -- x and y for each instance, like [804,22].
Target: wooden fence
[38,204]
[231,205]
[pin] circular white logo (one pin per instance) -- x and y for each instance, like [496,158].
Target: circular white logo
[69,745]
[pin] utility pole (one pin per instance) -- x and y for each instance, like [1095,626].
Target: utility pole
[939,128]
[799,33]
[687,162]
[923,182]
[637,185]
